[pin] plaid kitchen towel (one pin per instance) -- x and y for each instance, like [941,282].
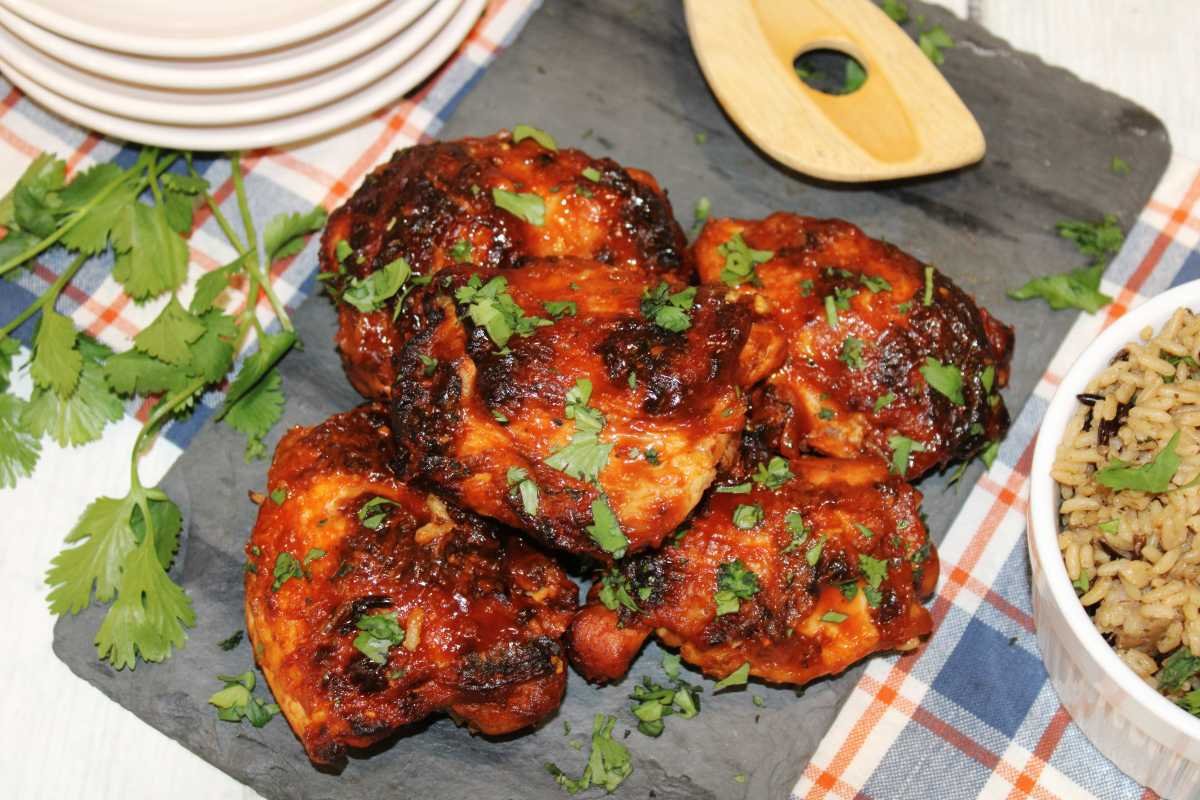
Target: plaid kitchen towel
[277,180]
[972,713]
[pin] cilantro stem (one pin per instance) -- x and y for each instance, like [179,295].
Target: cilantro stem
[253,263]
[48,297]
[218,215]
[45,244]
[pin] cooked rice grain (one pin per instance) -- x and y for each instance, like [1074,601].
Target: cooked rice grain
[1141,582]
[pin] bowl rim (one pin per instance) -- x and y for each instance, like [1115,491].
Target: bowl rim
[1043,501]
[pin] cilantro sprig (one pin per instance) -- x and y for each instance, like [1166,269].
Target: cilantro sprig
[121,548]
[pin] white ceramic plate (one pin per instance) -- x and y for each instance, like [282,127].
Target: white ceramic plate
[209,108]
[283,64]
[190,29]
[274,132]
[1150,738]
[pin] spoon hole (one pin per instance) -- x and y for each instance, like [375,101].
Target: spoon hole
[830,71]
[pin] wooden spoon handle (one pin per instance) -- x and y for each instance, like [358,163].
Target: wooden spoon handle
[905,119]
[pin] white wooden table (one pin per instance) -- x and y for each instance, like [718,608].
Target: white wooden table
[62,739]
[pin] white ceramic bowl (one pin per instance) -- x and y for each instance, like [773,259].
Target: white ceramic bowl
[1150,738]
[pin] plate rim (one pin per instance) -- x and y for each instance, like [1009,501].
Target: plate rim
[387,20]
[49,73]
[273,132]
[200,47]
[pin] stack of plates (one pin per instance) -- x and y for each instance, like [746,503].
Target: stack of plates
[225,74]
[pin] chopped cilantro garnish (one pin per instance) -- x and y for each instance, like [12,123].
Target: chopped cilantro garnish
[375,511]
[608,763]
[614,592]
[806,287]
[279,496]
[737,488]
[461,251]
[883,401]
[774,473]
[232,641]
[927,300]
[1178,667]
[343,250]
[528,207]
[287,566]
[584,456]
[736,678]
[987,378]
[897,10]
[560,308]
[379,632]
[851,354]
[933,41]
[669,310]
[946,379]
[1112,526]
[372,292]
[875,283]
[740,261]
[864,530]
[836,617]
[813,554]
[237,702]
[734,584]
[1118,166]
[700,214]
[523,132]
[825,413]
[797,528]
[591,173]
[1082,583]
[312,555]
[519,480]
[1153,477]
[1079,288]
[831,315]
[747,516]
[605,530]
[1099,241]
[902,448]
[428,364]
[491,307]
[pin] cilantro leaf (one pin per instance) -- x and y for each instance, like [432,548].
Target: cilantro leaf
[149,615]
[1119,166]
[741,260]
[739,488]
[747,517]
[774,473]
[372,292]
[44,175]
[522,132]
[151,257]
[946,379]
[797,528]
[380,632]
[271,348]
[608,762]
[211,355]
[19,451]
[851,355]
[883,401]
[560,308]
[614,592]
[736,678]
[528,207]
[375,512]
[605,530]
[1100,240]
[1079,288]
[666,310]
[284,234]
[232,641]
[933,41]
[134,372]
[168,336]
[835,617]
[81,417]
[211,284]
[107,538]
[584,456]
[1177,668]
[167,521]
[591,173]
[873,569]
[256,412]
[236,702]
[492,308]
[1153,477]
[897,10]
[287,566]
[518,478]
[902,448]
[90,235]
[734,584]
[56,361]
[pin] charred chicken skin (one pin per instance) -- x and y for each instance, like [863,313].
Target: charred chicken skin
[493,202]
[372,605]
[586,404]
[801,580]
[883,355]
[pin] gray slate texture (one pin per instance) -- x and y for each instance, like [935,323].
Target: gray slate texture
[618,78]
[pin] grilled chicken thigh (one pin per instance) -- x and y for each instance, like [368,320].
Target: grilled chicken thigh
[372,605]
[884,355]
[584,403]
[493,202]
[821,563]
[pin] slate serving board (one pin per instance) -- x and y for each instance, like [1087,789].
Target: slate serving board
[617,77]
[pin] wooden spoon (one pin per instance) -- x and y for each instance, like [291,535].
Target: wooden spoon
[905,120]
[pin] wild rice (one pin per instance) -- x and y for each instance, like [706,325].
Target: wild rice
[1139,577]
